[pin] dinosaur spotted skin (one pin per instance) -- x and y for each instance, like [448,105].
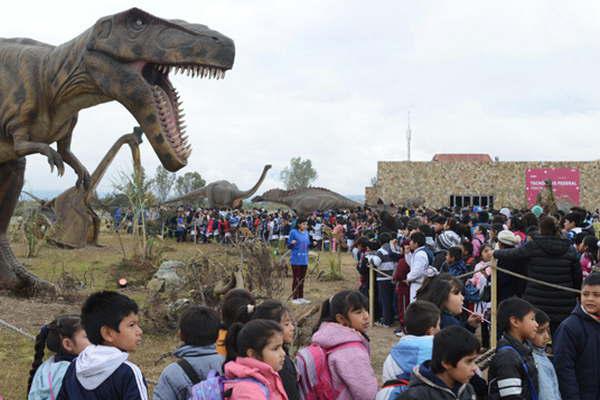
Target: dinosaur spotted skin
[126,57]
[305,201]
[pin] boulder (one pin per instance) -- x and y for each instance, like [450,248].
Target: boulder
[171,273]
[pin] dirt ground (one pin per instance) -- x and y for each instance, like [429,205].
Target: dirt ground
[94,268]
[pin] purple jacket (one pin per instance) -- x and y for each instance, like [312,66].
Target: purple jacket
[350,367]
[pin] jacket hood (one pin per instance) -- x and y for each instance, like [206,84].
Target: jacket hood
[332,334]
[552,245]
[246,367]
[194,351]
[412,350]
[96,363]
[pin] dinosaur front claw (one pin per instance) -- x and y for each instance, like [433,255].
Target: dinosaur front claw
[83,180]
[55,159]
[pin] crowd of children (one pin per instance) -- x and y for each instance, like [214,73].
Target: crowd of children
[434,277]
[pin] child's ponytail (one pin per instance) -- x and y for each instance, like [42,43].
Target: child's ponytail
[231,341]
[51,336]
[40,345]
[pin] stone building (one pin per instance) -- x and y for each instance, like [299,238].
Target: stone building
[476,179]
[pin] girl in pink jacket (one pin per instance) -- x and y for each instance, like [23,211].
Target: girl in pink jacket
[345,319]
[255,354]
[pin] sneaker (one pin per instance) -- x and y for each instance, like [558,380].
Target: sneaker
[304,301]
[381,325]
[399,332]
[297,301]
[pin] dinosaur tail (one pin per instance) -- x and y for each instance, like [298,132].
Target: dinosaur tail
[195,194]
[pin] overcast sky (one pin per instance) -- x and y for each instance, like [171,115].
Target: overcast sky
[332,81]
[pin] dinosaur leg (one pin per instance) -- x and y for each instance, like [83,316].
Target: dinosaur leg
[13,275]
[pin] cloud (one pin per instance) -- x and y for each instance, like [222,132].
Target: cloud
[333,81]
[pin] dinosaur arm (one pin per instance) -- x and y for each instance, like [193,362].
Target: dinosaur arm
[64,149]
[24,147]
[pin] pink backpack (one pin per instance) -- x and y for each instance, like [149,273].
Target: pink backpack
[315,380]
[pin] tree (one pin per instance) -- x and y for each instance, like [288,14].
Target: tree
[163,183]
[188,182]
[300,174]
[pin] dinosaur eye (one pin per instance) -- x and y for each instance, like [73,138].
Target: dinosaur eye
[137,23]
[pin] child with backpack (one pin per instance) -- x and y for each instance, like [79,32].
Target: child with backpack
[275,311]
[255,356]
[422,322]
[198,330]
[548,381]
[447,374]
[238,306]
[65,337]
[512,374]
[102,371]
[337,364]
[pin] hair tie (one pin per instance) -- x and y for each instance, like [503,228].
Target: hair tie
[250,308]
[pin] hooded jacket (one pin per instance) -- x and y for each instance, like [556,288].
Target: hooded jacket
[410,352]
[48,377]
[173,383]
[350,367]
[551,259]
[576,347]
[425,385]
[103,372]
[256,378]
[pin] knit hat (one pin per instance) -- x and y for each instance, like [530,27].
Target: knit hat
[537,210]
[448,239]
[506,212]
[508,238]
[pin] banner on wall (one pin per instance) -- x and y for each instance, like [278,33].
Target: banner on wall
[565,183]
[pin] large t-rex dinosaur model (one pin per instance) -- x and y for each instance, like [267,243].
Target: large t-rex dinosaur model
[125,57]
[222,194]
[75,223]
[305,201]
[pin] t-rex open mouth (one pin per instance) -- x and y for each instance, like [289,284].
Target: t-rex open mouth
[166,99]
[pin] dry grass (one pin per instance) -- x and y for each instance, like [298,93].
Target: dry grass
[94,268]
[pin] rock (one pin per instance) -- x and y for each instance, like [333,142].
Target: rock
[167,273]
[155,285]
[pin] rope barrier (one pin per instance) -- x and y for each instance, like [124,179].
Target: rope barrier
[16,329]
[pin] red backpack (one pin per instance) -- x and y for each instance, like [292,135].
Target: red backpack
[315,380]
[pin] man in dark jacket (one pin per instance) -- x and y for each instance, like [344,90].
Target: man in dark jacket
[577,346]
[548,258]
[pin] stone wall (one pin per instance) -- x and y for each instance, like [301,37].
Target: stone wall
[398,181]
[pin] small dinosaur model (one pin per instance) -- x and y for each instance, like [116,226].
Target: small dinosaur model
[222,194]
[75,223]
[126,57]
[306,200]
[546,199]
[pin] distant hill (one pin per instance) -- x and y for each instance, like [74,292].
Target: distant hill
[359,198]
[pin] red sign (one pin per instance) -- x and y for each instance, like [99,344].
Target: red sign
[565,183]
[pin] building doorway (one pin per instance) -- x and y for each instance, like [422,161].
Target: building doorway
[484,201]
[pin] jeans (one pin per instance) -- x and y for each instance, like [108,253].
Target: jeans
[386,300]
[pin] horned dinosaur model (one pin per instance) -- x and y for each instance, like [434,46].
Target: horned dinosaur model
[125,57]
[74,222]
[222,194]
[305,201]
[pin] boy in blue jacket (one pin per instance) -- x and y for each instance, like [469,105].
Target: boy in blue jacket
[198,329]
[576,346]
[101,371]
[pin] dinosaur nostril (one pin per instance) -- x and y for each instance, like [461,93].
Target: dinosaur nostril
[216,39]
